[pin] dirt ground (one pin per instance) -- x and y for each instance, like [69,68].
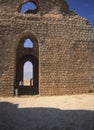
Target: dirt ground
[74,112]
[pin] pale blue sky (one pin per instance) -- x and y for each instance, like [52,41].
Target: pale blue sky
[28,70]
[28,43]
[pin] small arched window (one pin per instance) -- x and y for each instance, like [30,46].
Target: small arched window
[28,43]
[29,7]
[28,73]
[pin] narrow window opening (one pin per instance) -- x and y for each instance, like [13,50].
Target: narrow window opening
[28,43]
[29,7]
[28,74]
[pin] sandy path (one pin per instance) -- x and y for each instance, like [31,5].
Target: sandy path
[47,113]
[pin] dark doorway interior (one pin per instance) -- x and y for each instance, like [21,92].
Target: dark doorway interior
[24,84]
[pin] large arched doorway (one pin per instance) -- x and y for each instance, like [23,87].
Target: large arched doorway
[27,67]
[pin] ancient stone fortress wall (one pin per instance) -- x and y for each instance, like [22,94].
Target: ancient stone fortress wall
[64,47]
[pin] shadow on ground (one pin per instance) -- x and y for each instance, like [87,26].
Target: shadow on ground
[14,118]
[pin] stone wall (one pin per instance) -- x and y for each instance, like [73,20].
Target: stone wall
[66,51]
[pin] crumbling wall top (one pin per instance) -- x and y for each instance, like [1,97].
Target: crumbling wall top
[44,6]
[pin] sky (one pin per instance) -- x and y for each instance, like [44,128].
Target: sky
[28,70]
[28,43]
[84,8]
[30,5]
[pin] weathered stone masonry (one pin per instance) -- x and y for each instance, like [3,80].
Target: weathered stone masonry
[66,47]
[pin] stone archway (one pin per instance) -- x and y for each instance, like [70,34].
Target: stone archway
[24,54]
